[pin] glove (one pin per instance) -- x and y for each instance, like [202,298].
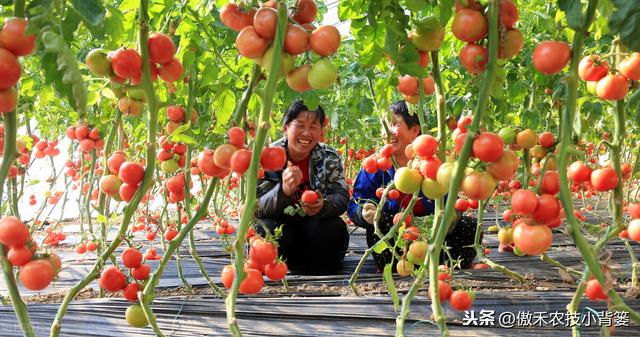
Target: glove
[369,212]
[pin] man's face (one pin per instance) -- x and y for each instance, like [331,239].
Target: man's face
[303,133]
[401,134]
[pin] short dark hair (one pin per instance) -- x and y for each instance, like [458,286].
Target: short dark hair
[400,108]
[296,108]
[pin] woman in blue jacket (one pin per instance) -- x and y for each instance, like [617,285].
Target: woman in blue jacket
[404,129]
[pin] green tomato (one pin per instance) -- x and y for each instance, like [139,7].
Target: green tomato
[286,62]
[169,166]
[135,316]
[98,62]
[432,189]
[508,135]
[322,74]
[137,93]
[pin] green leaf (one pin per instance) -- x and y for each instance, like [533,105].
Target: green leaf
[380,247]
[91,11]
[69,25]
[625,21]
[387,276]
[573,10]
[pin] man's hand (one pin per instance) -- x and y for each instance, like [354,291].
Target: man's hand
[312,209]
[369,212]
[291,179]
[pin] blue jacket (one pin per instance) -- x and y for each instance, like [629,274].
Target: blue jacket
[365,188]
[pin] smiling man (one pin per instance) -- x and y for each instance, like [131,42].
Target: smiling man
[404,129]
[316,242]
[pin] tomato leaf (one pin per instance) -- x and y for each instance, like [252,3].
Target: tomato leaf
[573,10]
[101,219]
[387,276]
[92,14]
[625,21]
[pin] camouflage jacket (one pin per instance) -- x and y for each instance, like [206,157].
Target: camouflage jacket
[325,175]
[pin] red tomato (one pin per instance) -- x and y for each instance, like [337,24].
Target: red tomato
[276,271]
[131,173]
[325,40]
[547,209]
[546,139]
[604,179]
[13,232]
[444,291]
[236,136]
[13,37]
[508,13]
[462,205]
[425,146]
[130,291]
[630,67]
[240,161]
[474,58]
[19,255]
[579,172]
[594,291]
[461,300]
[9,68]
[408,85]
[634,230]
[488,147]
[232,17]
[253,282]
[227,275]
[36,275]
[263,252]
[131,258]
[524,202]
[429,167]
[141,273]
[309,197]
[250,44]
[296,40]
[549,57]
[126,63]
[265,22]
[305,11]
[393,195]
[469,25]
[161,48]
[592,68]
[273,158]
[112,279]
[612,87]
[550,183]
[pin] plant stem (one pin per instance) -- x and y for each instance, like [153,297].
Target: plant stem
[546,258]
[241,108]
[252,174]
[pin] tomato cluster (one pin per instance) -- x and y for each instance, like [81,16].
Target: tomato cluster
[24,152]
[471,26]
[13,43]
[171,155]
[257,30]
[262,259]
[408,85]
[36,270]
[609,86]
[459,300]
[53,237]
[88,137]
[86,246]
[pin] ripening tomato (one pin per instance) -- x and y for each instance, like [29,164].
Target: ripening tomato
[549,57]
[10,69]
[478,185]
[634,230]
[404,267]
[526,139]
[488,147]
[612,87]
[592,68]
[524,202]
[171,71]
[474,58]
[265,22]
[461,300]
[429,167]
[250,44]
[428,35]
[297,79]
[634,210]
[604,179]
[532,239]
[469,25]
[222,155]
[505,167]
[36,275]
[325,40]
[511,42]
[550,183]
[240,161]
[407,180]
[630,67]
[547,209]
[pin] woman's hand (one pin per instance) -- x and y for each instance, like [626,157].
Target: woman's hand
[291,179]
[311,209]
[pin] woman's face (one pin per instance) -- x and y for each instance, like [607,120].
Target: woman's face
[303,133]
[401,134]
